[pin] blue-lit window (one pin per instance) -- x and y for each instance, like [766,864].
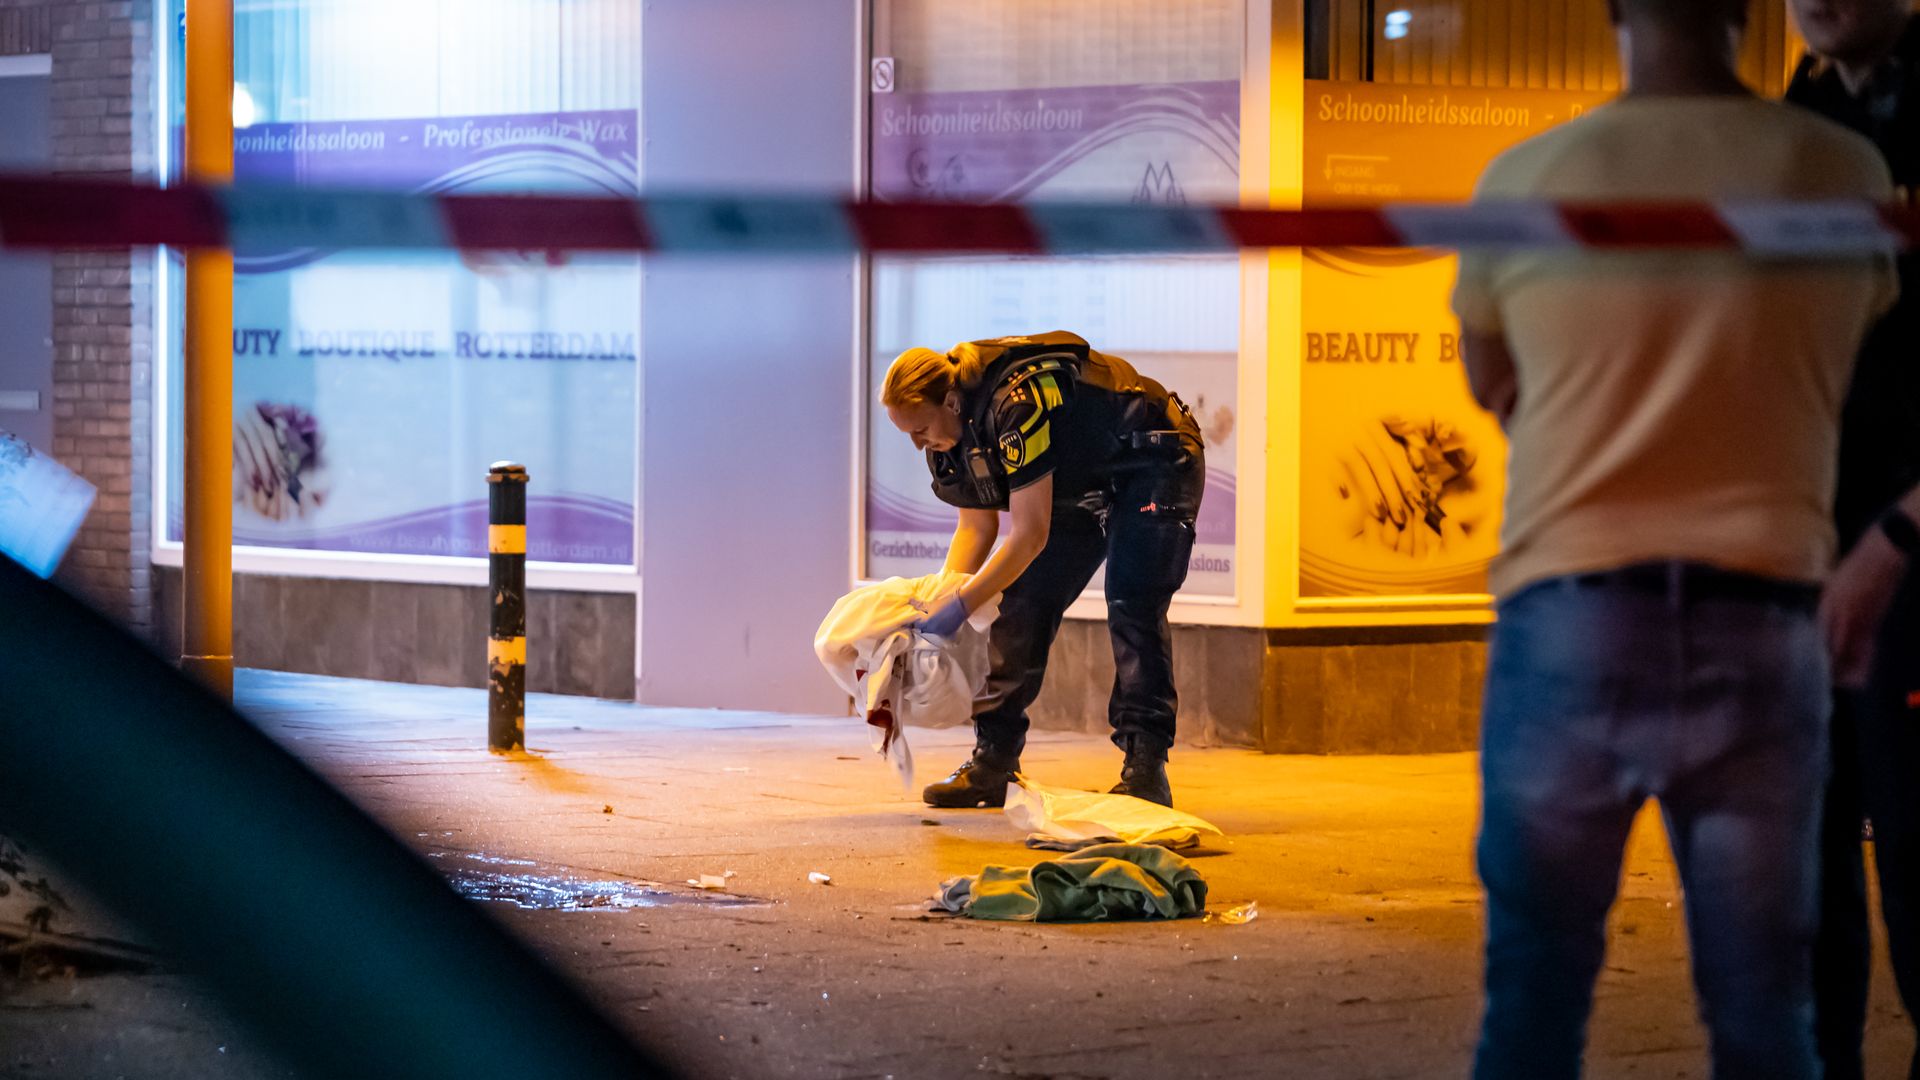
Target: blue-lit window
[372,389]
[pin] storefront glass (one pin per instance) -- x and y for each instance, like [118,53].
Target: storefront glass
[1005,100]
[1401,474]
[372,389]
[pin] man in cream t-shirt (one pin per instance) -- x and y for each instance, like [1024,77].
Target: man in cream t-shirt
[1673,421]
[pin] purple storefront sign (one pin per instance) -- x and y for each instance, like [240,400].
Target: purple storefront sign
[1007,145]
[435,153]
[590,153]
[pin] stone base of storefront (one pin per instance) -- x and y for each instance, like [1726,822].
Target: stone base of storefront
[1397,690]
[577,642]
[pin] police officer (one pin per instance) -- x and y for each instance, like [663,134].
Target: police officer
[1863,70]
[1091,461]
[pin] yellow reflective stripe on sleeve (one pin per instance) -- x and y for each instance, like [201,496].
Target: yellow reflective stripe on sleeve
[506,539]
[1037,443]
[1050,396]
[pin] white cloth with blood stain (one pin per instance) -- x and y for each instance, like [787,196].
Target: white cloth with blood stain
[897,675]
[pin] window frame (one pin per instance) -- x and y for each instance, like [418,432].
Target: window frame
[1247,605]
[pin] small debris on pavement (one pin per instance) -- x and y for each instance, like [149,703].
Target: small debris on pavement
[1237,915]
[819,878]
[606,809]
[710,882]
[928,821]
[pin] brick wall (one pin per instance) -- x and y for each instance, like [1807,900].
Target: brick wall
[102,124]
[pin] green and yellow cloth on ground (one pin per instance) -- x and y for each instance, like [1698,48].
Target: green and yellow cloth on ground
[1101,883]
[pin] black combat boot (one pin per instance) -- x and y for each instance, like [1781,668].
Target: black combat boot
[1144,775]
[980,781]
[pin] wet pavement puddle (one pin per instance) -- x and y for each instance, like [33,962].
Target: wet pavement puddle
[560,890]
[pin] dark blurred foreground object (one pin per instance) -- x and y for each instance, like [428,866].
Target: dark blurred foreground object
[341,950]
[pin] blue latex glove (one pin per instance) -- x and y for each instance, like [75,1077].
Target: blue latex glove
[947,621]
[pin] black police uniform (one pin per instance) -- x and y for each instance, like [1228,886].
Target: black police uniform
[1128,469]
[1876,733]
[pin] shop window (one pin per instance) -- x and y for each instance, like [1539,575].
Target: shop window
[1504,44]
[1402,474]
[372,389]
[1006,100]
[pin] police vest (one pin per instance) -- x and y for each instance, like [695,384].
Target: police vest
[1116,420]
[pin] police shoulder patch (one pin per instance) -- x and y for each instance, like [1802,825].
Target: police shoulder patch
[1013,449]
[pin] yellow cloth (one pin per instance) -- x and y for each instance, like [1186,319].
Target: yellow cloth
[1680,405]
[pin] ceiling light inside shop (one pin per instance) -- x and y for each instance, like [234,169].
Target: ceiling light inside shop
[243,109]
[1398,23]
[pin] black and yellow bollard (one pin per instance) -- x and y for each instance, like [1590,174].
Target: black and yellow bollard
[507,632]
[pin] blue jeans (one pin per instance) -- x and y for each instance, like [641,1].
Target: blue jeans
[1701,688]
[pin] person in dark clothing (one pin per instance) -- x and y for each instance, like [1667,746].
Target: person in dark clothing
[1092,461]
[1863,71]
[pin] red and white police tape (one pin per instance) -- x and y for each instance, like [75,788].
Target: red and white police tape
[38,211]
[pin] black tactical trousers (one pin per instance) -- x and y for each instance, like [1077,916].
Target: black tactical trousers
[1143,530]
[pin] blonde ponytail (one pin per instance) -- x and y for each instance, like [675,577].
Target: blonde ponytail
[917,377]
[925,377]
